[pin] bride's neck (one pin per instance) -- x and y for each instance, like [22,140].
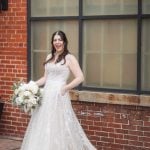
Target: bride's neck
[57,54]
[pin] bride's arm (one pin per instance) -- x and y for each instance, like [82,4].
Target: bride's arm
[73,64]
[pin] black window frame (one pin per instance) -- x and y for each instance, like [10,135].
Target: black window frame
[139,17]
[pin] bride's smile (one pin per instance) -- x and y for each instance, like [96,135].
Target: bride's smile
[58,44]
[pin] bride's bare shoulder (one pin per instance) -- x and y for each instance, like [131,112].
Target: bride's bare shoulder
[48,56]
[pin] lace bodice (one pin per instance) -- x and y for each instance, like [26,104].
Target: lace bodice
[57,72]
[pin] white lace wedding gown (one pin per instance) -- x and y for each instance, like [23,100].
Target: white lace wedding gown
[54,125]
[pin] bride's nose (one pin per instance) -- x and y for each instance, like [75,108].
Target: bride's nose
[57,41]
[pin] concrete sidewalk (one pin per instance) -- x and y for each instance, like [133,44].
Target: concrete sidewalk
[9,144]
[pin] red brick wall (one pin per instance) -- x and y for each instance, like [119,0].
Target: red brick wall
[115,127]
[109,127]
[13,60]
[13,122]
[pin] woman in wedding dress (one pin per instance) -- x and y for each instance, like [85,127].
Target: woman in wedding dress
[54,125]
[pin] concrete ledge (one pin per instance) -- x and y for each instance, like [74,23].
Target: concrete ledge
[11,138]
[111,98]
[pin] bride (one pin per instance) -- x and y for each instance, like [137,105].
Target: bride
[54,125]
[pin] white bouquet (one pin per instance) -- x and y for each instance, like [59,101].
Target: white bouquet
[27,96]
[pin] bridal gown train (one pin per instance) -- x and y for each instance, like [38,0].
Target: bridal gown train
[54,125]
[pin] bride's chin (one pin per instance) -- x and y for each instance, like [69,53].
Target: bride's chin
[59,51]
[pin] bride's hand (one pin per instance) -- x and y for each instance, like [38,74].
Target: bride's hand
[63,90]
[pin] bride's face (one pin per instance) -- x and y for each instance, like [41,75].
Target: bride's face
[58,43]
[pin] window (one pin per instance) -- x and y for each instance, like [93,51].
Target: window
[145,46]
[109,37]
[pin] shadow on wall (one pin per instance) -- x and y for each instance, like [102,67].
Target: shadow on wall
[1,108]
[3,5]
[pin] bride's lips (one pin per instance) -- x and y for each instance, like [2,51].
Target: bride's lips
[58,46]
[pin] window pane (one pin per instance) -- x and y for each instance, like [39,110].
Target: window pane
[54,8]
[146,6]
[129,71]
[111,70]
[93,76]
[37,65]
[40,37]
[109,53]
[146,55]
[109,7]
[41,40]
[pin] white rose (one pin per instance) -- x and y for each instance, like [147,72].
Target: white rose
[33,101]
[21,94]
[16,91]
[19,100]
[23,87]
[27,93]
[33,87]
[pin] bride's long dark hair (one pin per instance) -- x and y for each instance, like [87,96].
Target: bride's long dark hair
[53,50]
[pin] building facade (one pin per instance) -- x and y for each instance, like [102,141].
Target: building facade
[110,40]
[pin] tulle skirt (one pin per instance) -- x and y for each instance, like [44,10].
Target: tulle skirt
[54,125]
